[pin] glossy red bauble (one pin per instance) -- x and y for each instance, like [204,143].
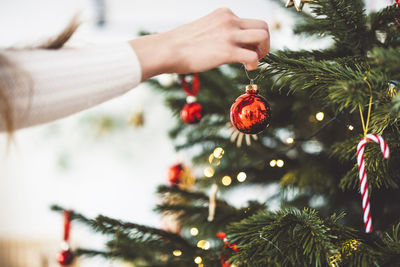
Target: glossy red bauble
[250,113]
[175,174]
[192,113]
[65,257]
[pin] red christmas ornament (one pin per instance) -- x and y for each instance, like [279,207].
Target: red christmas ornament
[65,256]
[192,113]
[250,113]
[175,174]
[195,85]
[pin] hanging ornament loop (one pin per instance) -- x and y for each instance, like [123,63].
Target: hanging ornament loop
[248,76]
[195,85]
[67,224]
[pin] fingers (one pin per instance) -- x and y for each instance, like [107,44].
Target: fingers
[253,24]
[251,36]
[254,39]
[246,56]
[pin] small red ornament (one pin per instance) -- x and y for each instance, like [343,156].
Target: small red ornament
[192,113]
[65,257]
[175,174]
[250,113]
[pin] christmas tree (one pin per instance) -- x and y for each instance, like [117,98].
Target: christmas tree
[323,103]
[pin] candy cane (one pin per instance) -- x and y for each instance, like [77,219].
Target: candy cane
[363,175]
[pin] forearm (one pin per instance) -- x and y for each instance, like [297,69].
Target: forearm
[70,80]
[157,54]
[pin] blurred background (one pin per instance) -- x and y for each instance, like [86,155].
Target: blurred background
[109,159]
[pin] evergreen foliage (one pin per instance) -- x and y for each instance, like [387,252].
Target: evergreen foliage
[320,165]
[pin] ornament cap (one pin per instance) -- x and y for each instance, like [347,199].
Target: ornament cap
[191,99]
[252,89]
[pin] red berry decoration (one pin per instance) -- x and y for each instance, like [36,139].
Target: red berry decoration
[175,174]
[224,258]
[192,113]
[250,113]
[65,257]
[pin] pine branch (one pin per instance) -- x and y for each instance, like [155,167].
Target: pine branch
[346,25]
[192,196]
[381,20]
[289,237]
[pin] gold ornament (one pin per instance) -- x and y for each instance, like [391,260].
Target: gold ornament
[137,119]
[297,3]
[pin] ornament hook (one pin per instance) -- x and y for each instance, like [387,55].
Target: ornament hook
[250,79]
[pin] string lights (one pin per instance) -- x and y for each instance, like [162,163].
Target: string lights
[289,140]
[198,260]
[209,172]
[194,231]
[203,244]
[278,163]
[177,253]
[320,116]
[226,180]
[241,177]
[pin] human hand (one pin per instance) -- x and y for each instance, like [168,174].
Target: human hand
[215,39]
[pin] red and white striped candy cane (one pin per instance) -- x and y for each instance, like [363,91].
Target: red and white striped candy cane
[363,174]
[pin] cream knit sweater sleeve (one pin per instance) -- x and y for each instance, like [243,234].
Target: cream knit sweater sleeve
[70,80]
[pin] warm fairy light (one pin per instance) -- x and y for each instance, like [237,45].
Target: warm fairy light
[350,127]
[289,140]
[208,172]
[241,177]
[218,152]
[194,231]
[203,244]
[198,260]
[177,253]
[280,163]
[213,160]
[226,180]
[272,163]
[319,116]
